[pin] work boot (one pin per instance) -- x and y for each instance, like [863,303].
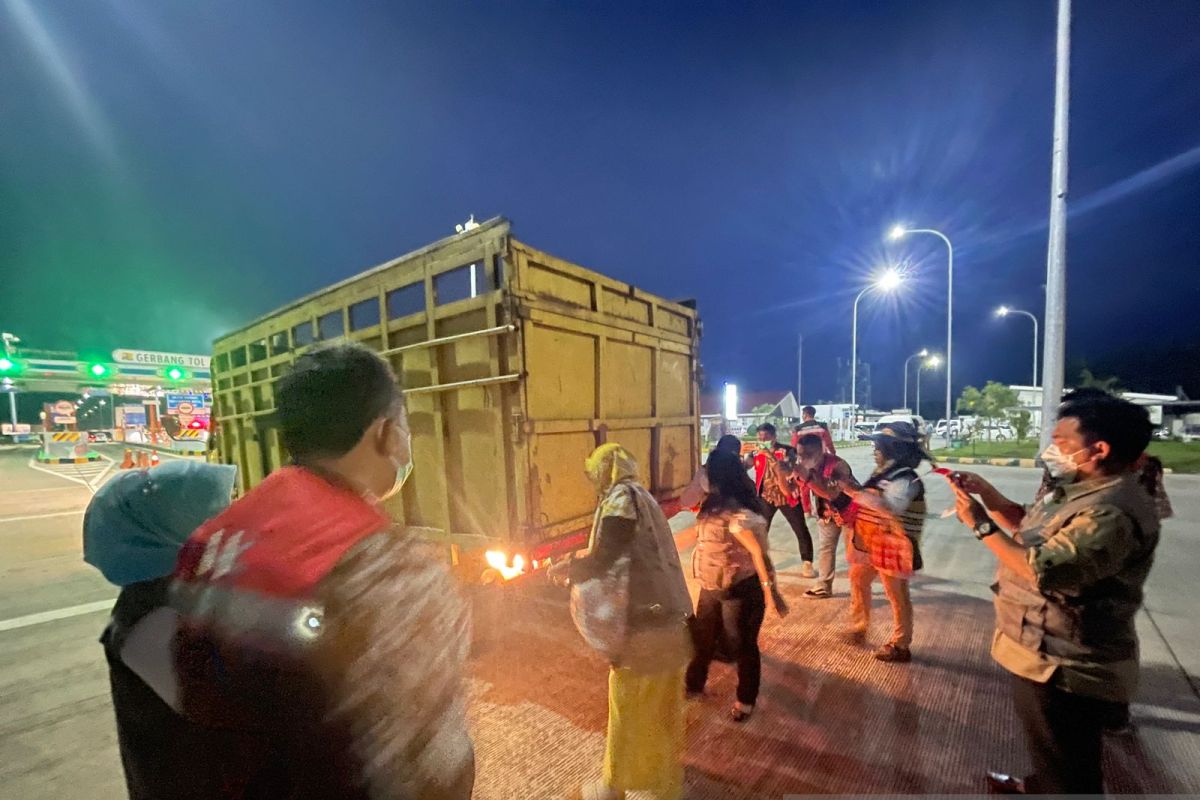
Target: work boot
[894,653]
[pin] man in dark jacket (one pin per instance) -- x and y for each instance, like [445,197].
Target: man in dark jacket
[1068,588]
[328,643]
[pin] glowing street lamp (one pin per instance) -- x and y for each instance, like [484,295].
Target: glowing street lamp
[887,281]
[922,353]
[1004,311]
[897,233]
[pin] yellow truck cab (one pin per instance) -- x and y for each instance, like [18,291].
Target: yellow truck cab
[515,365]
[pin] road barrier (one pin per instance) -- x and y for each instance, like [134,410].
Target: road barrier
[65,447]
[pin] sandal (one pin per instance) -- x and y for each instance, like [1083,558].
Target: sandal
[740,712]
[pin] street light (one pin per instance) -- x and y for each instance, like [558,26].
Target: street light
[887,281]
[924,353]
[9,341]
[930,363]
[1004,311]
[897,233]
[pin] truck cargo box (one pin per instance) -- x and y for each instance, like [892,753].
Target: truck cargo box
[515,365]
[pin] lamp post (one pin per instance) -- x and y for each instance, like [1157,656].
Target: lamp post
[931,363]
[1004,311]
[924,353]
[888,281]
[9,341]
[897,233]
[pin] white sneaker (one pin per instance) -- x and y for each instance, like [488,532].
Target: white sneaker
[807,571]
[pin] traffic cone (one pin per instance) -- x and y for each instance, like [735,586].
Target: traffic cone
[143,460]
[128,462]
[154,459]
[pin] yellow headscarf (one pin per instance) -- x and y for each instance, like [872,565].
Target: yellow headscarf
[608,465]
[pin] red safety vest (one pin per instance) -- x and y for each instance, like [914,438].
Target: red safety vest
[281,539]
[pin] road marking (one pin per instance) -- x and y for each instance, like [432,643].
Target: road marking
[42,516]
[89,475]
[57,614]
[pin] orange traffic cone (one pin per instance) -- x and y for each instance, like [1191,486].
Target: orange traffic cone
[128,462]
[143,460]
[154,459]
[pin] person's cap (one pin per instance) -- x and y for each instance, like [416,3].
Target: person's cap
[895,432]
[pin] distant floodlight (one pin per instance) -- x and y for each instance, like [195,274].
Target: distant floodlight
[924,352]
[933,361]
[731,401]
[1002,311]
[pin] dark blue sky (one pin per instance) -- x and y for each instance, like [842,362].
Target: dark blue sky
[170,169]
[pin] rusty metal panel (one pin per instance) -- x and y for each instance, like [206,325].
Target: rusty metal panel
[562,492]
[674,384]
[561,373]
[627,381]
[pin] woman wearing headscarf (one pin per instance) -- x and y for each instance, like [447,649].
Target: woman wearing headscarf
[132,532]
[737,580]
[646,710]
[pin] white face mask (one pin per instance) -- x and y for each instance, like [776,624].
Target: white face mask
[404,468]
[1060,465]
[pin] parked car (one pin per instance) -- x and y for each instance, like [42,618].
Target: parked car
[995,432]
[1161,434]
[99,436]
[1190,433]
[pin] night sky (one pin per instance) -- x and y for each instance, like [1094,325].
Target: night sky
[170,170]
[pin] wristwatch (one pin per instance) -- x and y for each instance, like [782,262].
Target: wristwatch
[984,529]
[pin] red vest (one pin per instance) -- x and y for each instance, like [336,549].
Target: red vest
[281,539]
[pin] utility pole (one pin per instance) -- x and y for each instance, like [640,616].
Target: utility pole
[1054,354]
[800,368]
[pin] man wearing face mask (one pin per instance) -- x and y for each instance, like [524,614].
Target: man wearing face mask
[327,644]
[1072,568]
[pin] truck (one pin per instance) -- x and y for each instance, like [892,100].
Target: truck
[515,365]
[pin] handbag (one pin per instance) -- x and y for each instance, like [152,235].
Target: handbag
[600,609]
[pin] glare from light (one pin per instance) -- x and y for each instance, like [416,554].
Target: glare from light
[933,362]
[896,233]
[889,280]
[731,401]
[498,560]
[5,364]
[1002,311]
[924,352]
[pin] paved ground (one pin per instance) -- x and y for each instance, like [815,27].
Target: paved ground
[831,719]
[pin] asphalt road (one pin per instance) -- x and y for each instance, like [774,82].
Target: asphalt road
[831,719]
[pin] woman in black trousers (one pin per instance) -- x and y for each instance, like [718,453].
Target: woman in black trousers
[737,582]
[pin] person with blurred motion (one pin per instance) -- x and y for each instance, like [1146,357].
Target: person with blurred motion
[132,532]
[329,643]
[825,474]
[889,516]
[697,490]
[1072,568]
[772,464]
[809,424]
[737,581]
[631,602]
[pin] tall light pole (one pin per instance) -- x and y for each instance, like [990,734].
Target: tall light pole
[1056,251]
[799,367]
[1004,311]
[899,232]
[9,341]
[931,363]
[922,354]
[888,281]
